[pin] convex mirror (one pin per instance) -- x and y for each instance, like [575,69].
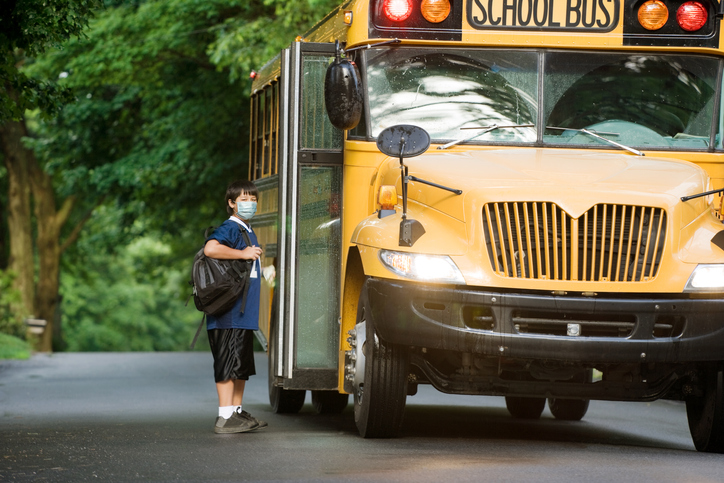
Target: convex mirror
[343,93]
[403,141]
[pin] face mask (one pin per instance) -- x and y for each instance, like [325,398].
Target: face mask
[246,209]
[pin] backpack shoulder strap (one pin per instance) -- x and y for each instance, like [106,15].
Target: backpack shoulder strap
[198,332]
[244,235]
[247,275]
[209,231]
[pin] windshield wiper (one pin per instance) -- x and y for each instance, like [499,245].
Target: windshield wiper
[597,136]
[485,129]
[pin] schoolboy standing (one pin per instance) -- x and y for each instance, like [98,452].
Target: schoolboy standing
[231,335]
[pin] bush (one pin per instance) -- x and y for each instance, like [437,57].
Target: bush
[13,347]
[11,322]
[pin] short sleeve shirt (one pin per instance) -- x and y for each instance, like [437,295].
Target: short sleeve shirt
[229,234]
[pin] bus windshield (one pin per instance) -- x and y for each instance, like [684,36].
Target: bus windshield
[651,101]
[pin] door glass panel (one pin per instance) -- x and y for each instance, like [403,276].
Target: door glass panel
[319,239]
[316,130]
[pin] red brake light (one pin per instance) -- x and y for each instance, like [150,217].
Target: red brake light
[692,16]
[397,10]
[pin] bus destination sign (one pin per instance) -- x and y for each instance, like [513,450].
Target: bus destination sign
[560,15]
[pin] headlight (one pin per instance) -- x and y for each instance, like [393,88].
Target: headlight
[706,278]
[424,268]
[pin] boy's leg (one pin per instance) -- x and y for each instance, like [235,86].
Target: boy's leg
[231,392]
[238,396]
[226,391]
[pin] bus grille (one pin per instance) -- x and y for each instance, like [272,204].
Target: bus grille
[608,243]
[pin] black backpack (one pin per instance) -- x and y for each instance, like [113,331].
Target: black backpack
[217,284]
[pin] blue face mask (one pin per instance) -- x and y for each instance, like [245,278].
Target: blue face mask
[246,209]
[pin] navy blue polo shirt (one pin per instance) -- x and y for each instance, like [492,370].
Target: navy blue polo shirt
[229,234]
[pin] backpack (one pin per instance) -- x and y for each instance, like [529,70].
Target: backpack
[217,284]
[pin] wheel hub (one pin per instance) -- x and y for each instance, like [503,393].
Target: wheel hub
[355,357]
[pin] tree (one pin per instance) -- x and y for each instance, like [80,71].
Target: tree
[159,126]
[28,29]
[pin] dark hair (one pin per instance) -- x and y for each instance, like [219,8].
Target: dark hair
[238,187]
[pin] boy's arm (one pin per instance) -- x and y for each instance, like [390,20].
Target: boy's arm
[214,249]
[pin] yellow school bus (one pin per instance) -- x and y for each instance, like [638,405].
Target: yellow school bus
[519,198]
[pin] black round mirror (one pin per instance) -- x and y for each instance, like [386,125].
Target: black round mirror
[343,94]
[403,140]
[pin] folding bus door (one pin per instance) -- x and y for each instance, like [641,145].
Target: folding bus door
[305,355]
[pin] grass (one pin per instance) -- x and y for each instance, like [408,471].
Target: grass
[13,348]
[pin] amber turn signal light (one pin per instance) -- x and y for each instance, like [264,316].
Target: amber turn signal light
[653,15]
[435,11]
[387,197]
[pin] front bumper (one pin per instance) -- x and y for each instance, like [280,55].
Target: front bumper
[535,327]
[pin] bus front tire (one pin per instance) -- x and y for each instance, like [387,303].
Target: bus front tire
[379,401]
[706,413]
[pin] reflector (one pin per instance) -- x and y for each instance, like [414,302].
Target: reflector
[397,10]
[435,11]
[653,15]
[692,16]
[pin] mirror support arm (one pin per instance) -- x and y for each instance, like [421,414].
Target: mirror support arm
[430,183]
[712,192]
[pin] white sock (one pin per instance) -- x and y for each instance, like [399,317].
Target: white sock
[226,411]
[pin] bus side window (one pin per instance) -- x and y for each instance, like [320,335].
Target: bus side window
[264,132]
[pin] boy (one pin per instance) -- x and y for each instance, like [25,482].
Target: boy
[231,334]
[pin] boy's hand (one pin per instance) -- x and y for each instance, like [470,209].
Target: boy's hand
[251,253]
[269,273]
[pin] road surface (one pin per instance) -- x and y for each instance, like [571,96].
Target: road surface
[149,416]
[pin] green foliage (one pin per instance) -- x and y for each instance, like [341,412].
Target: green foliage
[10,322]
[13,347]
[158,129]
[30,28]
[157,126]
[130,301]
[246,42]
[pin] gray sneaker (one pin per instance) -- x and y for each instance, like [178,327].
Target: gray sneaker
[235,424]
[260,424]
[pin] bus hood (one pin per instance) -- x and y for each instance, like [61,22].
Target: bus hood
[573,179]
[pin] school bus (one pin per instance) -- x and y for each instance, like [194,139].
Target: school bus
[520,198]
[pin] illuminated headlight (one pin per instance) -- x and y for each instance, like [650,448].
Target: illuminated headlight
[706,278]
[424,268]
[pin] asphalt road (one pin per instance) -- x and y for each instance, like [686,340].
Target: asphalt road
[149,417]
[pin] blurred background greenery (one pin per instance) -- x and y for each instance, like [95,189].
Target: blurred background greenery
[133,117]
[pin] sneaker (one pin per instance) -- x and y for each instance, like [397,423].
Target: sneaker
[235,424]
[260,424]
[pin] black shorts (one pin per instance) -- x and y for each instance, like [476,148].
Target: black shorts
[233,351]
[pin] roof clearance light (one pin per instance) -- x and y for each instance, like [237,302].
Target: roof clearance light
[692,16]
[435,11]
[653,15]
[397,10]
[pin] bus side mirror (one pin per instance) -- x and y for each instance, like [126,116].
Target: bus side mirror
[343,94]
[405,141]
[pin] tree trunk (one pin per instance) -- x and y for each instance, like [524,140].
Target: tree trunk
[19,225]
[50,221]
[25,176]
